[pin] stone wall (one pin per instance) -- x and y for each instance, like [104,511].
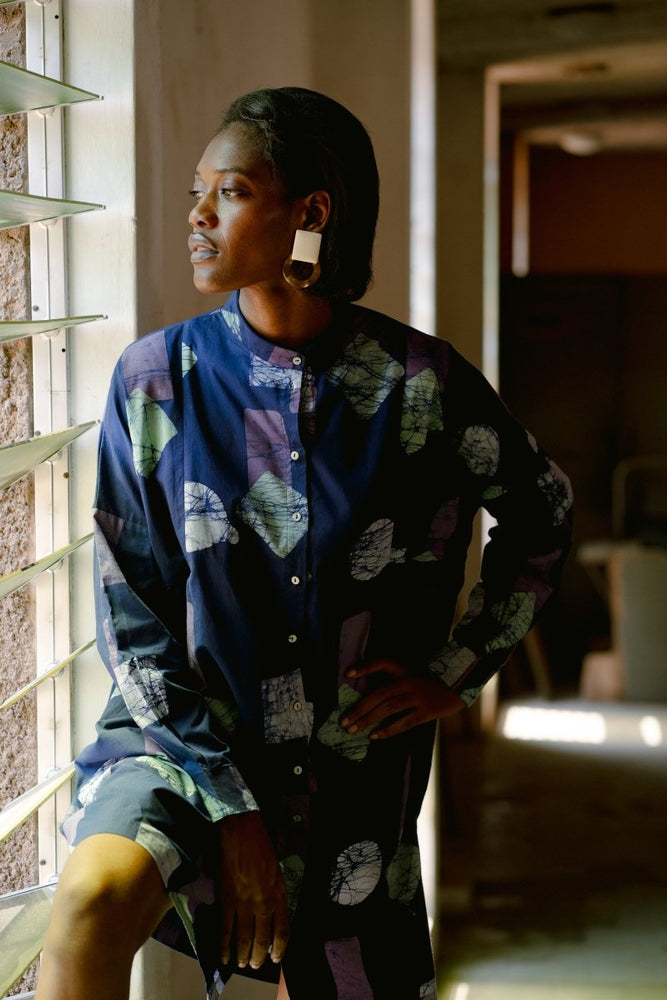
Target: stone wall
[18,854]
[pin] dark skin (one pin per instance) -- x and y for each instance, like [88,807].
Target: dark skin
[243,229]
[401,703]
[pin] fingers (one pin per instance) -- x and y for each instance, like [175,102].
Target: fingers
[391,667]
[245,927]
[400,705]
[280,932]
[262,939]
[227,927]
[255,938]
[399,725]
[377,706]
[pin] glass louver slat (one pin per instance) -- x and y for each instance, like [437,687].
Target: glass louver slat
[51,672]
[25,805]
[18,209]
[21,457]
[24,917]
[17,329]
[21,90]
[20,577]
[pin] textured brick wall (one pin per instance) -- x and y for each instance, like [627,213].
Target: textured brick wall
[18,854]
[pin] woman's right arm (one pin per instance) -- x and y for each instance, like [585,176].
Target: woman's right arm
[137,609]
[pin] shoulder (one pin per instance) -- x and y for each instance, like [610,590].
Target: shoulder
[154,346]
[148,364]
[416,350]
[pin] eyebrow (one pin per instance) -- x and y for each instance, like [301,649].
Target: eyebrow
[228,170]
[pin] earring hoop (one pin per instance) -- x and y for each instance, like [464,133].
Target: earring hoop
[305,253]
[292,268]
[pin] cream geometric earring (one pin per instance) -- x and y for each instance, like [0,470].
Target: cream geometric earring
[305,252]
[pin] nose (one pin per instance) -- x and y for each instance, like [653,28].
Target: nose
[202,215]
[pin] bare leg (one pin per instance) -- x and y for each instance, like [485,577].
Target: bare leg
[282,988]
[108,902]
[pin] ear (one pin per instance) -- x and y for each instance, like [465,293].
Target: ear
[316,211]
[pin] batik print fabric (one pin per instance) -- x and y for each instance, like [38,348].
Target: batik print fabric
[266,518]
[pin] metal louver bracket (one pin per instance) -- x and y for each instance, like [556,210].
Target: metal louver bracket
[17,329]
[21,457]
[52,671]
[25,805]
[24,917]
[21,90]
[17,209]
[20,577]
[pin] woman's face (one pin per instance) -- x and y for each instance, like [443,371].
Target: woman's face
[242,226]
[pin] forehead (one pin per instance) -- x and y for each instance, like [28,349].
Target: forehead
[235,149]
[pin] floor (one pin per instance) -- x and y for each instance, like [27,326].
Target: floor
[554,855]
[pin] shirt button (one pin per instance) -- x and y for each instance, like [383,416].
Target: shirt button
[296,360]
[294,455]
[296,516]
[296,818]
[291,638]
[296,580]
[297,706]
[298,769]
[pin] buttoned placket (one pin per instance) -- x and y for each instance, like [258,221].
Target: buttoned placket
[296,575]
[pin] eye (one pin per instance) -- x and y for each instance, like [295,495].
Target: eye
[197,195]
[229,192]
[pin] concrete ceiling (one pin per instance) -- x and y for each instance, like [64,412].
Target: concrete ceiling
[584,76]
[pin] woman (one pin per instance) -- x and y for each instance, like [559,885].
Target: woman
[285,498]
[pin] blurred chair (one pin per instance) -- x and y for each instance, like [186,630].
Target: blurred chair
[638,593]
[629,571]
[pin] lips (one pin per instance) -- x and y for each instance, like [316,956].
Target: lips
[200,248]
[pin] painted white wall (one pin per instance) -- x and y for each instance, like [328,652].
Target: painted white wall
[356,53]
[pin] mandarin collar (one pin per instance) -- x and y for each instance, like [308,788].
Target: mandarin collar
[317,353]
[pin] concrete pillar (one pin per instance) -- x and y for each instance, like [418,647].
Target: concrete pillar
[467,214]
[467,267]
[361,57]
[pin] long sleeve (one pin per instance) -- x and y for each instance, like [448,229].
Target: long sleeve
[141,603]
[507,473]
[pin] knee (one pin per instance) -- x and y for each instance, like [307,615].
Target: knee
[90,895]
[106,901]
[88,911]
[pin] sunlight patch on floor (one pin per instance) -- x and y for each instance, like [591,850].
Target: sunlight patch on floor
[549,991]
[594,723]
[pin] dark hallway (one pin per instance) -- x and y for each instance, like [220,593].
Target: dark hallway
[554,881]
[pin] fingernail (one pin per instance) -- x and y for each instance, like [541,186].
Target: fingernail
[351,672]
[344,721]
[352,729]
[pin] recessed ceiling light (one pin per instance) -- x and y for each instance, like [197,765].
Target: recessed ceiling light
[581,143]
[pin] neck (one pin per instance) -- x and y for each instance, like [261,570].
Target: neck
[288,317]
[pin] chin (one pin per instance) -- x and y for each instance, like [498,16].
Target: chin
[209,286]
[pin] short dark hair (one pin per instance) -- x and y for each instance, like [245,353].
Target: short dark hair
[314,143]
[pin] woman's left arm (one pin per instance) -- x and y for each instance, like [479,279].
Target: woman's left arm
[508,473]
